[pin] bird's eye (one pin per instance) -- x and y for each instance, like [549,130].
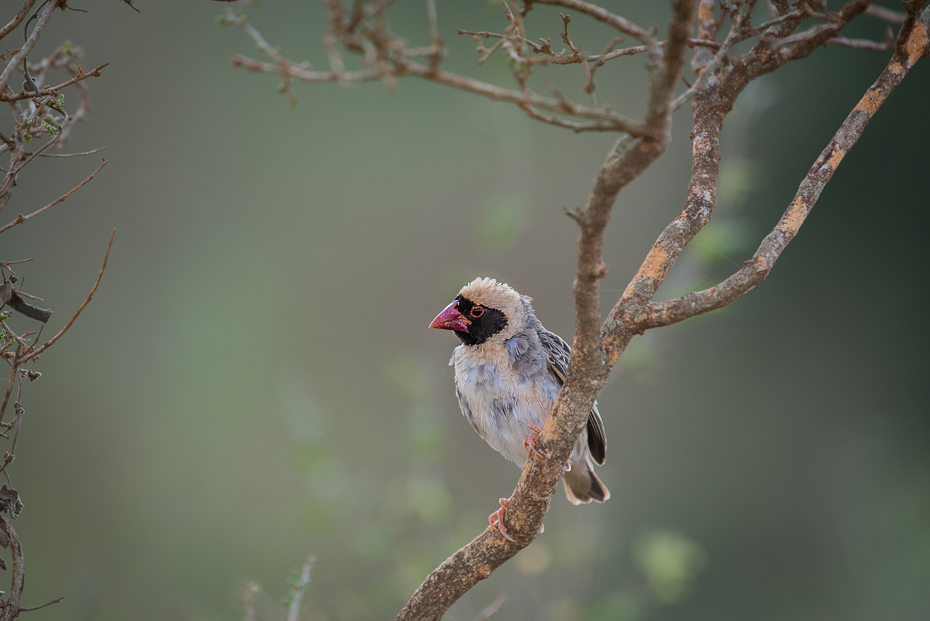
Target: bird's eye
[476,311]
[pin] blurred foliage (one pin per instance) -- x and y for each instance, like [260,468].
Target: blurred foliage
[670,562]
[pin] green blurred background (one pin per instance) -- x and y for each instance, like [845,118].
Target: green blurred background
[254,380]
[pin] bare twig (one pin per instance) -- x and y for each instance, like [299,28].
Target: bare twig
[604,120]
[21,218]
[892,17]
[81,154]
[554,58]
[40,607]
[602,15]
[298,588]
[17,19]
[35,353]
[52,91]
[18,58]
[383,64]
[492,608]
[863,44]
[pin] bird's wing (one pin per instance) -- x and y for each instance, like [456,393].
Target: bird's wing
[463,404]
[559,354]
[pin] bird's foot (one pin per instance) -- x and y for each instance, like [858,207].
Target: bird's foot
[567,467]
[530,443]
[497,519]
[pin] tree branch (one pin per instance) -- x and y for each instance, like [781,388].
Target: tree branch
[35,353]
[10,608]
[52,91]
[600,14]
[17,19]
[384,61]
[21,218]
[914,45]
[20,56]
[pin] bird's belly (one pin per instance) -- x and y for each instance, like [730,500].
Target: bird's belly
[502,411]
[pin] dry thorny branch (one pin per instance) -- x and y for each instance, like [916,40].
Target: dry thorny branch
[787,31]
[39,115]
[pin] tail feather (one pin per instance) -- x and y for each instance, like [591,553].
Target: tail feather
[582,485]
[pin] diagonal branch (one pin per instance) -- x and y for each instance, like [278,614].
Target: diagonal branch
[21,218]
[915,44]
[17,19]
[20,56]
[35,353]
[709,108]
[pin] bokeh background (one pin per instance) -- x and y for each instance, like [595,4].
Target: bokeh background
[254,381]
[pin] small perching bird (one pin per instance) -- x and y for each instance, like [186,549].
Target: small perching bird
[508,373]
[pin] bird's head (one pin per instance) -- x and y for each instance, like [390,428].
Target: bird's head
[484,311]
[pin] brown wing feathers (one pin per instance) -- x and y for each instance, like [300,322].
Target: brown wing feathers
[559,354]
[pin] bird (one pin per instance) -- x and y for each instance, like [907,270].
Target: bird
[508,373]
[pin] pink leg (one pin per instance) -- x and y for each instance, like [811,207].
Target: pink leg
[497,519]
[530,443]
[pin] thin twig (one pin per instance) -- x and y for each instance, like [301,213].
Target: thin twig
[82,154]
[21,218]
[35,353]
[18,58]
[602,15]
[40,607]
[892,17]
[297,589]
[51,91]
[492,608]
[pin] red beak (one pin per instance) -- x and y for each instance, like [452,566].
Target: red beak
[450,319]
